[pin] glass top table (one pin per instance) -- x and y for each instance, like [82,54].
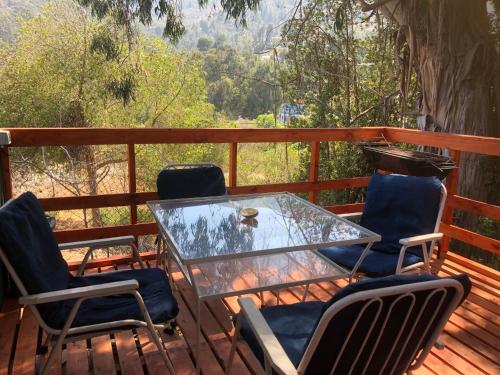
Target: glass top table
[221,253]
[208,229]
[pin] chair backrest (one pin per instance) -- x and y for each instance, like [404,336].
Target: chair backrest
[380,326]
[190,181]
[30,252]
[400,206]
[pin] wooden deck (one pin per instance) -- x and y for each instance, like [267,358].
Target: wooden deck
[472,336]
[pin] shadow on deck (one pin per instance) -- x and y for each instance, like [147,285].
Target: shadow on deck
[471,337]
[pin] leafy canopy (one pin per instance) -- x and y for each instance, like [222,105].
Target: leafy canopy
[125,13]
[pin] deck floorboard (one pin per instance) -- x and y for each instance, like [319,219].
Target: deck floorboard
[471,337]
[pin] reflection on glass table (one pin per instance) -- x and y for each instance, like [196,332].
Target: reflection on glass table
[214,228]
[224,278]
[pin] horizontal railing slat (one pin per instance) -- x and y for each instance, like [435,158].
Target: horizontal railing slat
[460,142]
[472,238]
[346,208]
[476,207]
[72,235]
[125,199]
[36,137]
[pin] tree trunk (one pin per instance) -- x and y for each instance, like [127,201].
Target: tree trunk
[453,53]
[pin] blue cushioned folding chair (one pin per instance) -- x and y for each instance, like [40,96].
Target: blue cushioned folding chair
[177,181]
[406,211]
[70,308]
[375,326]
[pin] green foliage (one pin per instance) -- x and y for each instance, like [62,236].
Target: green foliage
[204,44]
[240,84]
[125,14]
[265,120]
[11,12]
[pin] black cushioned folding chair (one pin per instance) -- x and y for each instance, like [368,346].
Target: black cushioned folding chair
[70,308]
[177,181]
[375,326]
[406,211]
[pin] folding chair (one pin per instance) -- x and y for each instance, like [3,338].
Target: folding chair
[406,211]
[70,308]
[375,326]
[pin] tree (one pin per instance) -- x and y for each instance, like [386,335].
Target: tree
[240,84]
[449,44]
[451,48]
[204,44]
[66,69]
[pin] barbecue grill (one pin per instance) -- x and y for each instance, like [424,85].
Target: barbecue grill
[408,162]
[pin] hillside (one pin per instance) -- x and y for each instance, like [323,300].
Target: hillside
[11,11]
[208,23]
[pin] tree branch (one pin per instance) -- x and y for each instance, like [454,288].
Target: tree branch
[365,7]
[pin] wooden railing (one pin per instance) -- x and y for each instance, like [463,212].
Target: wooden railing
[456,144]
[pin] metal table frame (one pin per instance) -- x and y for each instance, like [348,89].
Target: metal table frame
[186,265]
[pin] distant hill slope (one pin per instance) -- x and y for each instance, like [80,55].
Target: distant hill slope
[263,27]
[11,11]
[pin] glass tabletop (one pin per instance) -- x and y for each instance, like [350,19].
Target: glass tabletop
[224,278]
[205,229]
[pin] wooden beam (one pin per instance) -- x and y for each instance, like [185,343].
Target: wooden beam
[475,266]
[6,173]
[111,261]
[71,235]
[301,187]
[346,208]
[452,188]
[476,207]
[96,201]
[233,164]
[132,182]
[125,199]
[486,243]
[314,170]
[36,137]
[460,142]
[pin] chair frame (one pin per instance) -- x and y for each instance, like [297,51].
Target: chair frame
[58,337]
[275,358]
[406,243]
[102,243]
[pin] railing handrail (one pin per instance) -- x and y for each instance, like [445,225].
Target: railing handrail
[456,143]
[33,137]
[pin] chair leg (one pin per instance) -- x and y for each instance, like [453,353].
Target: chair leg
[170,330]
[233,345]
[158,251]
[44,349]
[163,352]
[56,348]
[439,344]
[306,290]
[153,333]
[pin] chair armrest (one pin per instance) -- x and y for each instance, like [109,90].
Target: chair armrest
[418,240]
[266,338]
[99,243]
[351,215]
[101,290]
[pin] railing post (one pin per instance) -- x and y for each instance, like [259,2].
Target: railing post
[452,188]
[314,169]
[5,195]
[5,171]
[233,164]
[132,182]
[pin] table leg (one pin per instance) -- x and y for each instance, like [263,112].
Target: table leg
[198,320]
[360,260]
